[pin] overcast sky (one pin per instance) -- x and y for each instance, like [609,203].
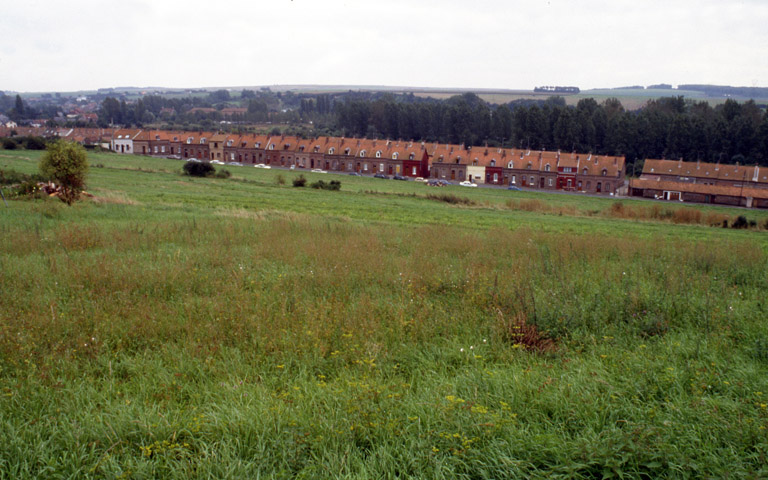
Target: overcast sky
[53,45]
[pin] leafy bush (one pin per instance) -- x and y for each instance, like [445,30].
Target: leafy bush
[300,181]
[34,143]
[740,222]
[199,169]
[28,188]
[10,177]
[66,163]
[332,185]
[9,144]
[223,173]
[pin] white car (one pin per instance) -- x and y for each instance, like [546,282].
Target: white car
[262,165]
[420,179]
[217,162]
[194,160]
[235,164]
[318,170]
[467,183]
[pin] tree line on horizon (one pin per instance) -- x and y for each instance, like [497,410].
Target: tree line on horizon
[670,127]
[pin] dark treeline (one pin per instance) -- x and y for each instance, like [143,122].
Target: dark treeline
[665,128]
[670,127]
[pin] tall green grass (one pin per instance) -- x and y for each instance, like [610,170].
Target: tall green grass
[236,328]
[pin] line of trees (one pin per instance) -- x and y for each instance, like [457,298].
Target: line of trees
[670,127]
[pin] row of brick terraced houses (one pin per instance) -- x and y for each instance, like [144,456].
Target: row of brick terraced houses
[676,180]
[488,165]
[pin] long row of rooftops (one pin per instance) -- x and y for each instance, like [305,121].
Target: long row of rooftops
[388,149]
[685,171]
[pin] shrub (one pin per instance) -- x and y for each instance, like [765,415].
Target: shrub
[199,169]
[10,177]
[450,198]
[223,173]
[280,179]
[300,181]
[66,163]
[740,222]
[9,144]
[28,188]
[34,143]
[332,185]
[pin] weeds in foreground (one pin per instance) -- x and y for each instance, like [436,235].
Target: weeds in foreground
[450,198]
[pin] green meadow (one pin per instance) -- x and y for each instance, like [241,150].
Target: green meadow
[178,327]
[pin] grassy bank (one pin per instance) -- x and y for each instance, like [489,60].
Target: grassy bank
[183,328]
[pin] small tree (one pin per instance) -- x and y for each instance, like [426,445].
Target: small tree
[66,164]
[199,169]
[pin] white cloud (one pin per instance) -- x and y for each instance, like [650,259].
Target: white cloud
[84,44]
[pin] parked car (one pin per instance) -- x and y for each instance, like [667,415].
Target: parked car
[420,179]
[381,175]
[235,164]
[467,183]
[262,165]
[193,159]
[399,177]
[319,170]
[512,187]
[438,182]
[354,174]
[174,157]
[217,162]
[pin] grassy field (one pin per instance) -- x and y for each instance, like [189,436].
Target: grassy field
[194,328]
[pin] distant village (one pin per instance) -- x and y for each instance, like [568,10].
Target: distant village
[668,180]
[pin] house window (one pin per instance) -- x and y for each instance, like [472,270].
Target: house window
[394,156]
[155,148]
[378,153]
[331,150]
[411,157]
[232,156]
[514,180]
[533,181]
[162,148]
[381,167]
[604,172]
[510,165]
[495,178]
[365,167]
[362,153]
[413,172]
[584,172]
[271,146]
[528,167]
[550,181]
[546,168]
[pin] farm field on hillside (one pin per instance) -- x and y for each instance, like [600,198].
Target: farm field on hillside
[193,328]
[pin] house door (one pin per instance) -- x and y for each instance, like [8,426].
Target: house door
[541,182]
[599,187]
